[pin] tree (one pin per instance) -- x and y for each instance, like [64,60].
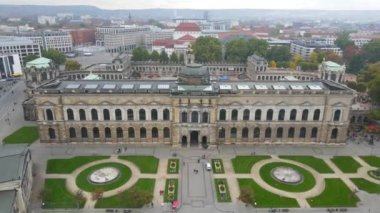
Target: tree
[272,64]
[313,57]
[164,56]
[236,50]
[374,89]
[280,53]
[138,198]
[344,40]
[371,51]
[140,54]
[72,65]
[331,56]
[246,195]
[207,49]
[306,66]
[349,52]
[258,47]
[174,58]
[30,58]
[56,56]
[155,56]
[356,64]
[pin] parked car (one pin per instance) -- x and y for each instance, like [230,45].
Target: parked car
[208,166]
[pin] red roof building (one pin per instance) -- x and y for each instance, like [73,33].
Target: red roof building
[188,27]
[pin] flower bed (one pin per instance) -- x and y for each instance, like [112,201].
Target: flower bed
[217,166]
[171,190]
[173,166]
[221,186]
[375,174]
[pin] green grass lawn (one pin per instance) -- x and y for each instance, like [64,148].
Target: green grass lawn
[174,169]
[121,200]
[316,163]
[55,195]
[167,197]
[67,166]
[372,160]
[83,182]
[265,199]
[243,164]
[307,184]
[366,185]
[222,197]
[146,164]
[219,170]
[346,164]
[336,194]
[26,134]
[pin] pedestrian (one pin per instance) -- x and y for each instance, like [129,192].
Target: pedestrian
[199,160]
[151,204]
[125,149]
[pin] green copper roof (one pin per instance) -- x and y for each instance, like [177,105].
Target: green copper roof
[332,66]
[92,77]
[39,63]
[195,70]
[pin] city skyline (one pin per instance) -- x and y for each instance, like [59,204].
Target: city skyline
[212,4]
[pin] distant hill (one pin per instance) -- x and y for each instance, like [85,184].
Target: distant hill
[161,14]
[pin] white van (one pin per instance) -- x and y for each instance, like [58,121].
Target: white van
[208,166]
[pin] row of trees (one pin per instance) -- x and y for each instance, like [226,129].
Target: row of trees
[141,54]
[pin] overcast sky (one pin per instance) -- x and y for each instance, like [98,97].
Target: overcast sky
[214,4]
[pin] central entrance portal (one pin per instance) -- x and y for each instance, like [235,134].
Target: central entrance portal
[194,138]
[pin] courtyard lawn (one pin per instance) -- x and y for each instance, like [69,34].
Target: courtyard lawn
[243,164]
[222,190]
[84,183]
[336,194]
[346,164]
[217,166]
[265,199]
[372,160]
[316,163]
[173,166]
[366,185]
[121,200]
[146,164]
[56,196]
[173,195]
[307,184]
[67,166]
[26,134]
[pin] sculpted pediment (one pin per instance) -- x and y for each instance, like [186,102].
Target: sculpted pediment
[106,103]
[306,103]
[235,103]
[282,103]
[259,103]
[339,104]
[80,103]
[154,103]
[47,103]
[129,103]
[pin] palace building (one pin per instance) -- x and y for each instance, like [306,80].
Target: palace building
[193,110]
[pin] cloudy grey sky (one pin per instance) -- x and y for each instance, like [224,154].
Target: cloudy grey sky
[214,4]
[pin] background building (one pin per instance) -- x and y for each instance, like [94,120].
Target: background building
[83,36]
[46,20]
[22,46]
[306,48]
[10,66]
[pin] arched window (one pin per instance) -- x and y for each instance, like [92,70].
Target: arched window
[154,115]
[118,115]
[51,133]
[82,115]
[303,132]
[258,115]
[293,115]
[360,119]
[142,132]
[194,117]
[281,115]
[246,115]
[244,132]
[83,132]
[314,132]
[334,133]
[256,132]
[154,132]
[353,119]
[268,132]
[106,114]
[184,117]
[291,132]
[233,132]
[72,133]
[166,115]
[305,114]
[119,132]
[316,115]
[94,115]
[234,115]
[95,132]
[142,115]
[222,133]
[166,132]
[131,132]
[337,115]
[279,133]
[222,115]
[49,115]
[107,132]
[130,115]
[270,115]
[70,114]
[205,117]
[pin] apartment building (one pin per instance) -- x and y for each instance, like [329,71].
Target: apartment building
[306,48]
[21,46]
